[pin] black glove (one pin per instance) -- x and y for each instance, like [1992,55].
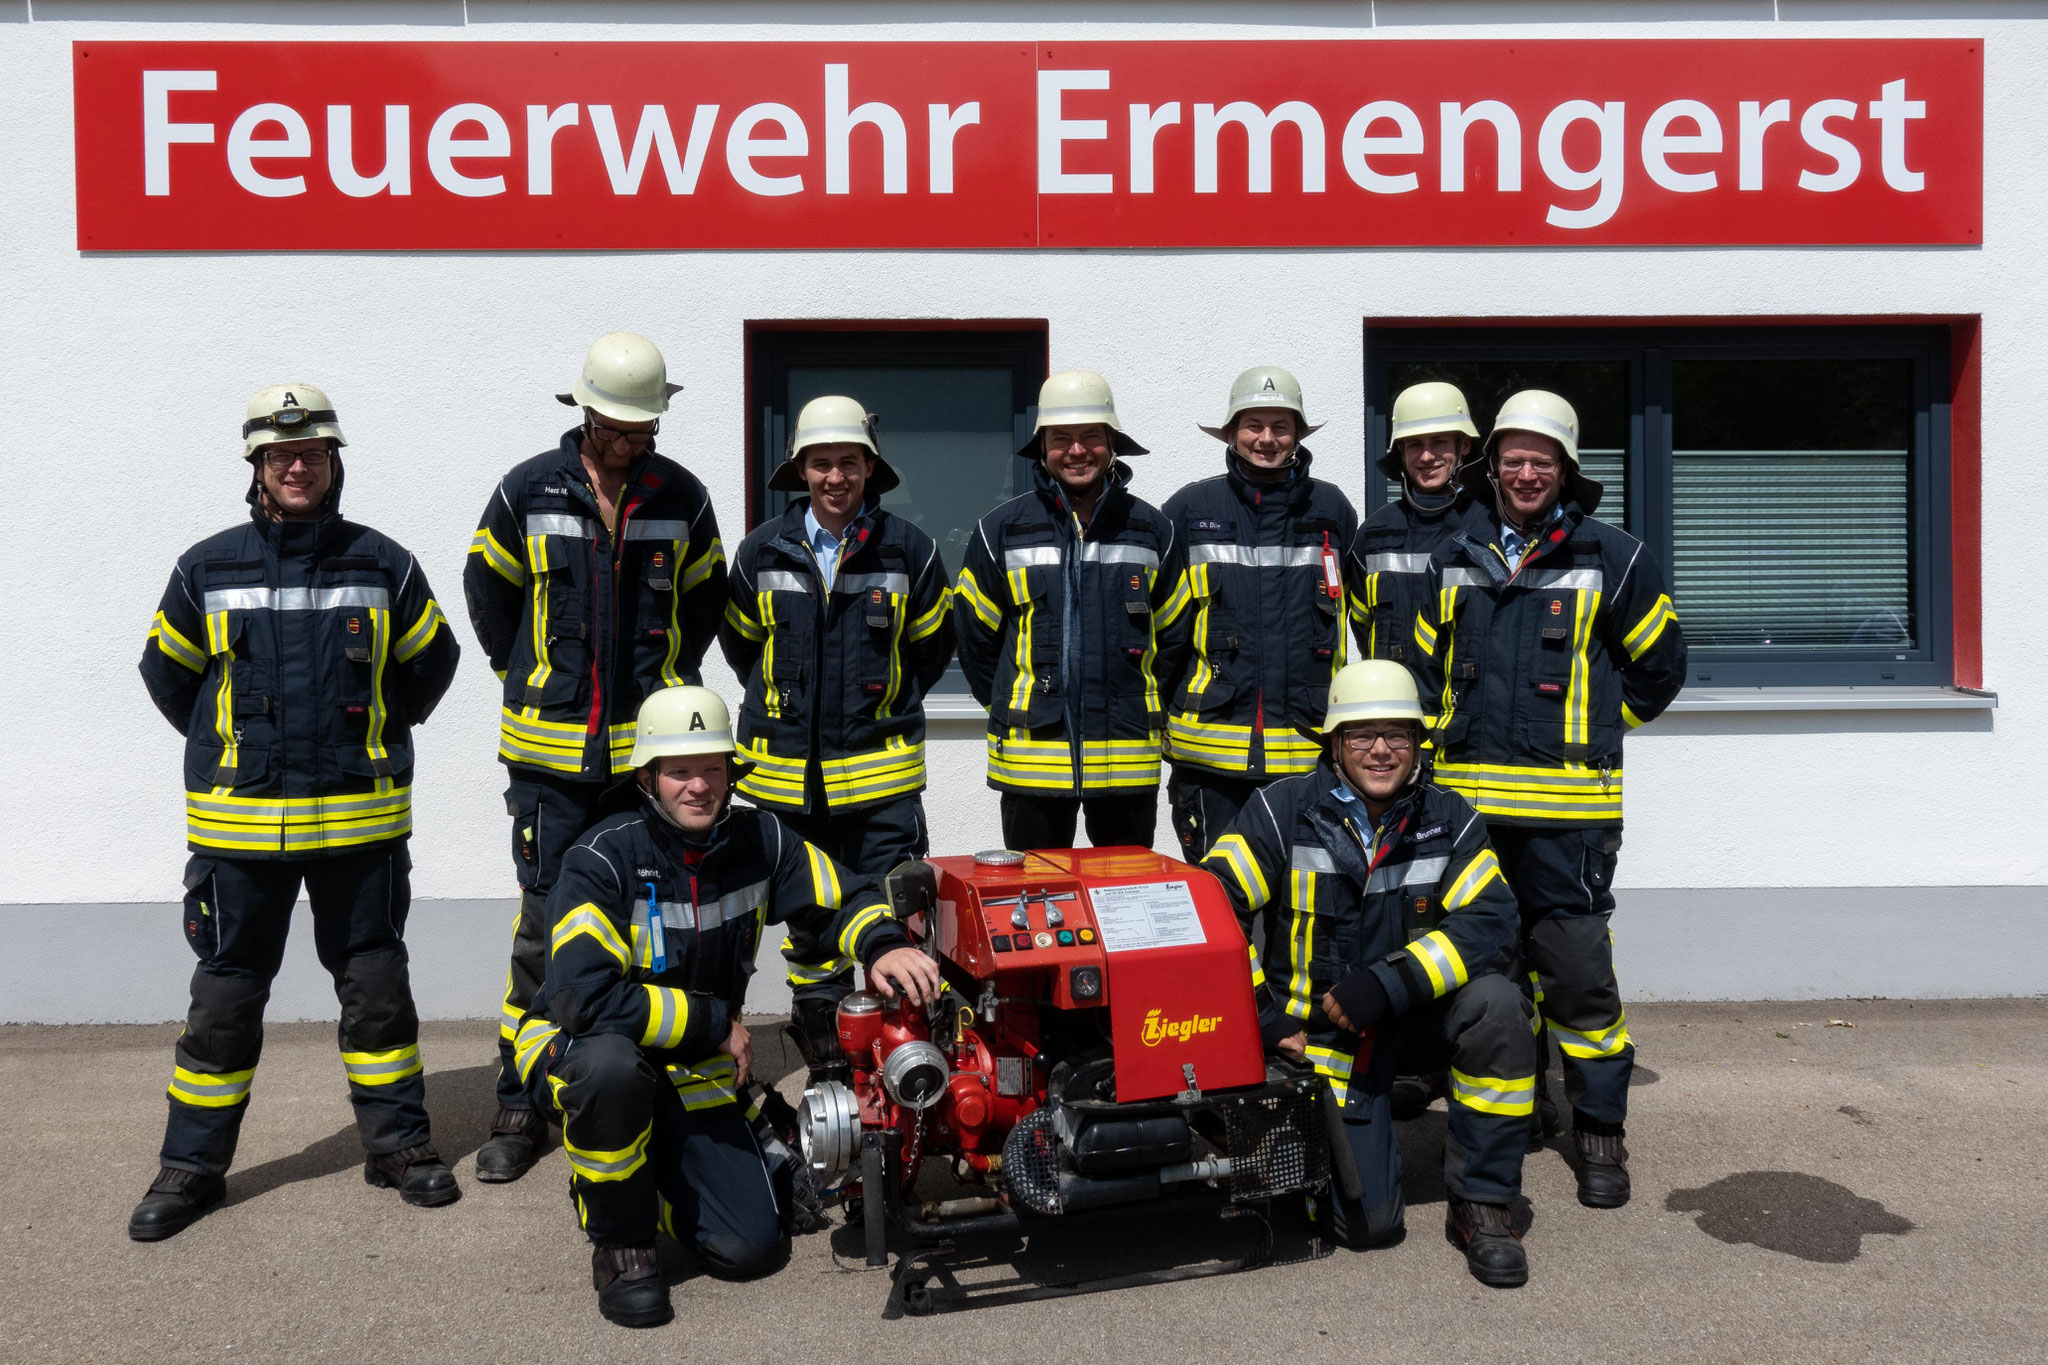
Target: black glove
[1362,998]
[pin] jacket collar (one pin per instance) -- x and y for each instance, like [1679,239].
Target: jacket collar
[1109,510]
[1293,488]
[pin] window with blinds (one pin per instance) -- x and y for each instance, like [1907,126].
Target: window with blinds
[1792,480]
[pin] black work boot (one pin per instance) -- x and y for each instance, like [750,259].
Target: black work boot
[630,1290]
[417,1173]
[1411,1095]
[1490,1241]
[1602,1169]
[518,1137]
[813,1030]
[176,1200]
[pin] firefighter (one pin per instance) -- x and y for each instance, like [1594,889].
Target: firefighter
[635,1038]
[594,579]
[1071,609]
[1264,544]
[1430,440]
[838,624]
[1545,636]
[1388,930]
[295,654]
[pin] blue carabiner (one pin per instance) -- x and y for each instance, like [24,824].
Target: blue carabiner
[657,933]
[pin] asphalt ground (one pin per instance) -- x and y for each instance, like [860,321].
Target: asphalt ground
[1803,1191]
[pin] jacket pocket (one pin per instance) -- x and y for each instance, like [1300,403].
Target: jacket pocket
[202,908]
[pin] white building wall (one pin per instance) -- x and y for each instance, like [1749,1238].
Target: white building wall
[122,380]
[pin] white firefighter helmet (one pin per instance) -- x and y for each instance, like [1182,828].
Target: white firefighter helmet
[1424,410]
[1545,414]
[1264,386]
[832,420]
[681,720]
[624,378]
[1074,398]
[288,412]
[1371,689]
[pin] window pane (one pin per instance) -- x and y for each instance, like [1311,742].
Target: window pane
[947,430]
[1790,489]
[1597,389]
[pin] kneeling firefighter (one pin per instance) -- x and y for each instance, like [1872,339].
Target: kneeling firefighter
[635,1038]
[1392,934]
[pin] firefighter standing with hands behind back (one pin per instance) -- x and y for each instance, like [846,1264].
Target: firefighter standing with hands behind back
[1545,637]
[1264,544]
[295,654]
[595,578]
[1071,610]
[838,623]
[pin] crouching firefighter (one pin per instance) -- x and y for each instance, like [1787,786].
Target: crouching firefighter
[1388,933]
[634,1040]
[295,654]
[837,624]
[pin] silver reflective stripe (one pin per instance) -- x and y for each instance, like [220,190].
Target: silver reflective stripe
[1416,872]
[722,738]
[1469,1093]
[1467,578]
[1434,950]
[296,599]
[1402,564]
[584,1161]
[809,435]
[733,905]
[781,580]
[1097,412]
[1311,858]
[1099,552]
[657,530]
[1530,421]
[862,582]
[1591,580]
[1259,557]
[1401,429]
[409,1062]
[561,524]
[1031,557]
[212,1088]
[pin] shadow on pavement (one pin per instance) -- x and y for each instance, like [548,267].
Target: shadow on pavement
[461,1104]
[1800,1215]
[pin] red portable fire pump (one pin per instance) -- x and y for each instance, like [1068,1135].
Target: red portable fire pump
[1096,1045]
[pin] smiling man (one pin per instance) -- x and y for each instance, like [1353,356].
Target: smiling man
[1265,544]
[1387,931]
[1545,636]
[1071,608]
[635,1040]
[295,653]
[838,625]
[595,578]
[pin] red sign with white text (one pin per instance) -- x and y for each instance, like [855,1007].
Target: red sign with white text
[201,146]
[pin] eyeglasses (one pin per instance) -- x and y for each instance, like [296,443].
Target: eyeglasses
[1362,741]
[278,461]
[605,432]
[1529,466]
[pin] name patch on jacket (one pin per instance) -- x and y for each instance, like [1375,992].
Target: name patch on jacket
[1435,831]
[1207,524]
[553,490]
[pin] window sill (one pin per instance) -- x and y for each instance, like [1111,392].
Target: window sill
[1834,699]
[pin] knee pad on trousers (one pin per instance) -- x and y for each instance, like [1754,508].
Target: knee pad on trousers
[1490,1019]
[733,1258]
[1576,960]
[224,1028]
[377,1009]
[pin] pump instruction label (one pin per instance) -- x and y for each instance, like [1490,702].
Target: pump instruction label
[1152,915]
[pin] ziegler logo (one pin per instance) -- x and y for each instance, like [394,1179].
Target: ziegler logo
[1158,1030]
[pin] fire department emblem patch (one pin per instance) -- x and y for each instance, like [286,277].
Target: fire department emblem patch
[1556,606]
[659,559]
[355,625]
[1137,584]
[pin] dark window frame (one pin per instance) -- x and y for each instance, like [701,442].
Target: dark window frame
[1650,350]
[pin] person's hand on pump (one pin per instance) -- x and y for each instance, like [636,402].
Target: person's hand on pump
[909,970]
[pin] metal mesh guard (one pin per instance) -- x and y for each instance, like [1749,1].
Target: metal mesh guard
[1278,1144]
[1031,1162]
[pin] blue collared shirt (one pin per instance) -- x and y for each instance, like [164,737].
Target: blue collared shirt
[824,548]
[1514,544]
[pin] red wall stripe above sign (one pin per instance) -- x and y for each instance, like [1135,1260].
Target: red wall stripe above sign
[194,146]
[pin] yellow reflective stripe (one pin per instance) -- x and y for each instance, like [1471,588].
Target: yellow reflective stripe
[824,877]
[1334,1067]
[771,695]
[934,616]
[588,920]
[668,1015]
[591,1164]
[701,567]
[1573,792]
[509,1014]
[175,646]
[210,1089]
[669,676]
[1602,1042]
[1629,717]
[1020,651]
[849,937]
[743,623]
[1258,968]
[1578,690]
[1237,855]
[985,610]
[621,742]
[499,558]
[713,1081]
[811,973]
[1651,628]
[1510,1096]
[1483,868]
[1440,961]
[537,552]
[1176,601]
[422,632]
[224,692]
[1301,942]
[382,1068]
[214,819]
[899,611]
[529,1042]
[873,776]
[380,654]
[1425,633]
